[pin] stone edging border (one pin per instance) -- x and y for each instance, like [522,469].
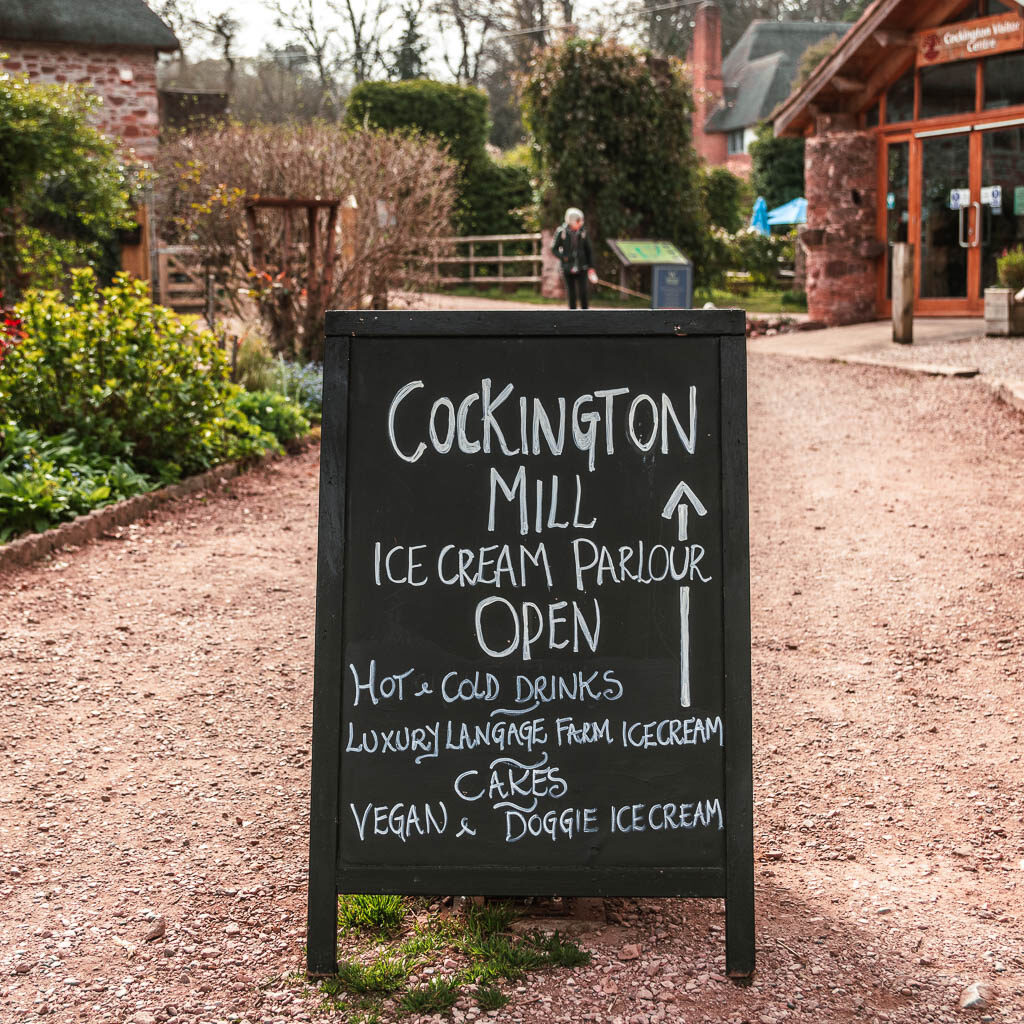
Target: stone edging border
[34,546]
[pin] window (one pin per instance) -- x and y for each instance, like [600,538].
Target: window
[871,117]
[899,100]
[1004,80]
[948,89]
[736,142]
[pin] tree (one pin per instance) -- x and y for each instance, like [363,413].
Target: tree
[302,19]
[811,58]
[778,166]
[473,23]
[64,191]
[611,129]
[408,56]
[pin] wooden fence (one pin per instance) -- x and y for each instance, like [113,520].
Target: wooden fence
[181,279]
[483,259]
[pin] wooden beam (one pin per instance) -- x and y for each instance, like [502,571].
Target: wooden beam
[886,37]
[846,85]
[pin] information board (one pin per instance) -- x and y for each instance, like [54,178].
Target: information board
[635,253]
[533,639]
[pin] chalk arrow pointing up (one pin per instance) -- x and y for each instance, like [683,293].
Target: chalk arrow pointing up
[678,505]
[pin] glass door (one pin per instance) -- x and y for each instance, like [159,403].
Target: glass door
[948,222]
[1001,197]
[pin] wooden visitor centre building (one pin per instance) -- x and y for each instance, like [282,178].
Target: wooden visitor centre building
[914,131]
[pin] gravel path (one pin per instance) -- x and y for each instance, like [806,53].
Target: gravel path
[995,358]
[154,743]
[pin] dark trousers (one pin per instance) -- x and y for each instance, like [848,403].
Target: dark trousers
[576,286]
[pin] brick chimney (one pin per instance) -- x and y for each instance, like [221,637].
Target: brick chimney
[708,88]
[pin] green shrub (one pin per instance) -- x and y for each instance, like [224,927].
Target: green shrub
[1010,267]
[63,190]
[777,166]
[133,379]
[456,114]
[494,199]
[725,197]
[47,480]
[273,413]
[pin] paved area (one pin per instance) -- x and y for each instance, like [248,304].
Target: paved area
[861,339]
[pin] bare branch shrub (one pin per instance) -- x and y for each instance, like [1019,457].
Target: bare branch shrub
[403,186]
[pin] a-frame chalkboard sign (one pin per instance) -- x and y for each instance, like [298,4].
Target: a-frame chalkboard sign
[533,621]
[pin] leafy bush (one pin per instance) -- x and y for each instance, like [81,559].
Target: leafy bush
[273,413]
[63,190]
[45,481]
[1010,267]
[778,166]
[490,195]
[455,114]
[612,131]
[747,251]
[133,379]
[725,197]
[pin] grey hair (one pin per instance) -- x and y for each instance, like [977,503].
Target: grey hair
[573,214]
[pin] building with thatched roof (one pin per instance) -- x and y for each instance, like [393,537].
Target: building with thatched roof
[109,45]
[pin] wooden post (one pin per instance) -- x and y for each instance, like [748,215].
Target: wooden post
[903,293]
[349,219]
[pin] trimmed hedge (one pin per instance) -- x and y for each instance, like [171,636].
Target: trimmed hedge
[490,195]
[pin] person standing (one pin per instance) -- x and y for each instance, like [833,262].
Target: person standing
[572,247]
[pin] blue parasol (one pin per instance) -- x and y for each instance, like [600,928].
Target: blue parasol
[759,220]
[793,212]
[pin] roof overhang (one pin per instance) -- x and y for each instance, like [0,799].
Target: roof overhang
[878,48]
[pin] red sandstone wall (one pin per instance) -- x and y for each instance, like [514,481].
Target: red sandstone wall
[129,109]
[840,169]
[705,60]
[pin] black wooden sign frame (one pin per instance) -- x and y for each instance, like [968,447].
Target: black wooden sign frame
[734,880]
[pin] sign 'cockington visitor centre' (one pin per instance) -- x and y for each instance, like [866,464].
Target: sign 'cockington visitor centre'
[915,133]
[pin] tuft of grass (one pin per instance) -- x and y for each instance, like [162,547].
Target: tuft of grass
[490,998]
[383,975]
[490,918]
[562,952]
[382,914]
[501,957]
[437,996]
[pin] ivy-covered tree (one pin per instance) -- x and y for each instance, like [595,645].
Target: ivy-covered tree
[64,192]
[611,131]
[778,166]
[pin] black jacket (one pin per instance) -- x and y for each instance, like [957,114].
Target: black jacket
[578,255]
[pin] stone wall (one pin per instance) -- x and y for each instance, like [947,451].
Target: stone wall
[123,77]
[840,170]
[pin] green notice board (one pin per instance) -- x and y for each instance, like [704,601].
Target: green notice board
[637,253]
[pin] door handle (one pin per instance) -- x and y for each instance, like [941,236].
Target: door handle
[963,244]
[977,224]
